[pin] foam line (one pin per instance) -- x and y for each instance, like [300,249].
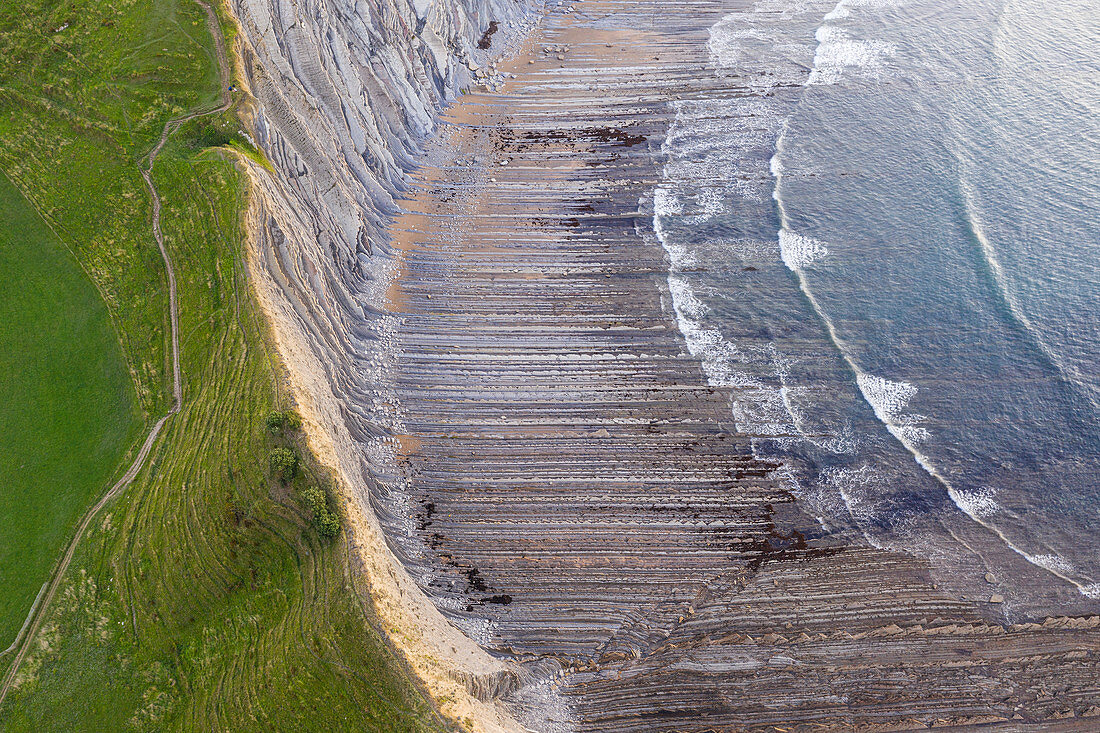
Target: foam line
[902,431]
[1001,284]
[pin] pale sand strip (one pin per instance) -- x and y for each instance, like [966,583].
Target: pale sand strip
[433,647]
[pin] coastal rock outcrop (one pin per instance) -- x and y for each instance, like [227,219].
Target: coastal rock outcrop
[343,94]
[484,352]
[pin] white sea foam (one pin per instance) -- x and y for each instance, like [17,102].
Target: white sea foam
[843,8]
[760,408]
[1054,563]
[866,494]
[761,28]
[666,203]
[1064,569]
[799,251]
[1092,590]
[721,360]
[688,306]
[977,503]
[838,52]
[836,439]
[700,172]
[680,257]
[889,399]
[775,167]
[763,413]
[728,40]
[717,356]
[857,487]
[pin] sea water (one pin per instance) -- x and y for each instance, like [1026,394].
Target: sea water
[886,242]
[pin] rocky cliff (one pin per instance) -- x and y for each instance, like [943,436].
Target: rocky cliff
[344,93]
[484,352]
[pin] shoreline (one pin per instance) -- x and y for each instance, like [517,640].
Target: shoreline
[529,325]
[443,661]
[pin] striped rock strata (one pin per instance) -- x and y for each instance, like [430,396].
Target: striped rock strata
[511,405]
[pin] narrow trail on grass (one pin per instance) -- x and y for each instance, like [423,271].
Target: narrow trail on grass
[22,643]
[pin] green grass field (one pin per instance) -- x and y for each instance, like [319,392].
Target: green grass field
[203,598]
[68,410]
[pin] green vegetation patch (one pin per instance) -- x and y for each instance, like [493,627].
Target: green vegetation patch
[213,594]
[67,411]
[85,89]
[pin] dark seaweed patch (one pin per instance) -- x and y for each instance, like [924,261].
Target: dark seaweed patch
[618,136]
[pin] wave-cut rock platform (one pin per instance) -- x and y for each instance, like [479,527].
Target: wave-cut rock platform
[505,383]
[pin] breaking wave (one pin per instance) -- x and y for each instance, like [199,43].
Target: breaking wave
[798,251]
[888,399]
[719,151]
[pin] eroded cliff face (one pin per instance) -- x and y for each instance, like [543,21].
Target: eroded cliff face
[345,92]
[527,445]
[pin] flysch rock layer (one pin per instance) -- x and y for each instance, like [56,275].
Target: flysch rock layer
[483,351]
[341,95]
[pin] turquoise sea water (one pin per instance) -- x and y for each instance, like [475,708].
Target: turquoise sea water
[889,245]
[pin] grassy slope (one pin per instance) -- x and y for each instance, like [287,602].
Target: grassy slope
[202,599]
[68,410]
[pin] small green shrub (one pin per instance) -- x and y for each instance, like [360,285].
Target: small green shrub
[327,525]
[327,522]
[275,421]
[284,463]
[279,420]
[314,500]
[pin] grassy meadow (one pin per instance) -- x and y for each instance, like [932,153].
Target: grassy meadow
[204,598]
[68,411]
